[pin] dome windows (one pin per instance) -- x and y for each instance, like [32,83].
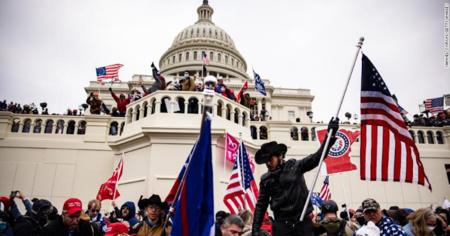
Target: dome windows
[173,59]
[219,57]
[211,56]
[198,31]
[232,61]
[179,57]
[204,31]
[226,60]
[195,55]
[187,56]
[210,32]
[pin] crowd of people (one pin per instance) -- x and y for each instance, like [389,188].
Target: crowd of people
[442,119]
[148,218]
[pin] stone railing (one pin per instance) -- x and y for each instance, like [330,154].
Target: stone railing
[182,102]
[305,132]
[53,126]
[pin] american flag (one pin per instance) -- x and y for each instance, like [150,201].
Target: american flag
[242,193]
[316,200]
[402,111]
[108,72]
[388,152]
[325,191]
[435,105]
[205,59]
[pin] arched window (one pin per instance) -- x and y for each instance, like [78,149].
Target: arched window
[38,126]
[221,35]
[430,137]
[165,101]
[173,59]
[186,34]
[179,57]
[82,127]
[412,135]
[15,126]
[122,127]
[138,112]
[145,108]
[71,127]
[216,33]
[198,31]
[192,32]
[195,55]
[304,133]
[262,133]
[204,31]
[237,64]
[193,105]
[232,61]
[129,115]
[187,56]
[228,112]
[313,134]
[59,127]
[236,115]
[168,61]
[219,57]
[153,102]
[244,118]
[26,126]
[211,56]
[253,132]
[219,108]
[113,128]
[294,133]
[210,32]
[48,127]
[420,137]
[226,60]
[439,137]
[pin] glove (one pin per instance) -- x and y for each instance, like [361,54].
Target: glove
[334,124]
[110,89]
[92,94]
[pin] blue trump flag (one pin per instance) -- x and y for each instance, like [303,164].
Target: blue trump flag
[195,206]
[259,84]
[316,200]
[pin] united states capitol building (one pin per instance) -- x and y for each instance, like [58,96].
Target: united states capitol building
[74,159]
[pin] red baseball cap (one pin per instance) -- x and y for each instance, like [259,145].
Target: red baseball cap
[116,228]
[72,205]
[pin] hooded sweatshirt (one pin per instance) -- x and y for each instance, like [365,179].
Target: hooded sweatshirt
[131,217]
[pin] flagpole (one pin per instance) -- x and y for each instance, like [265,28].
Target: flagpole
[117,179]
[305,207]
[208,96]
[242,165]
[345,197]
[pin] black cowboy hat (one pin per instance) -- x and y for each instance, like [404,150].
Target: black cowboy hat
[154,199]
[268,150]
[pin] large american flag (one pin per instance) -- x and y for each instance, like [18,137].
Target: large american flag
[108,72]
[205,59]
[387,151]
[325,193]
[435,105]
[242,191]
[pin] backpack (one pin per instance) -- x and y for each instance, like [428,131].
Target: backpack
[340,230]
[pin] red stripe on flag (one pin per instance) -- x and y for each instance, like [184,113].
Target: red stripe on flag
[373,161]
[384,171]
[398,159]
[409,165]
[363,152]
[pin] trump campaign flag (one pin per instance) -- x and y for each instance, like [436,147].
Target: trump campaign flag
[388,152]
[108,190]
[195,205]
[242,191]
[259,84]
[108,72]
[338,159]
[244,87]
[231,150]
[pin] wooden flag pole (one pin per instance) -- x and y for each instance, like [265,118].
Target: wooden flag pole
[322,157]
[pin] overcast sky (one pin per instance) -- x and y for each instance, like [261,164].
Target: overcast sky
[49,48]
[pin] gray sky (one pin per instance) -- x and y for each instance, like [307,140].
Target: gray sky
[49,49]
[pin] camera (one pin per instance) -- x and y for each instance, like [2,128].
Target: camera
[15,194]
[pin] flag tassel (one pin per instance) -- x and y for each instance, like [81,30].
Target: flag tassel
[359,45]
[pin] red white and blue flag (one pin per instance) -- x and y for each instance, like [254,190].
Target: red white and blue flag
[339,159]
[205,59]
[402,111]
[325,193]
[244,87]
[388,152]
[108,72]
[242,191]
[195,205]
[435,105]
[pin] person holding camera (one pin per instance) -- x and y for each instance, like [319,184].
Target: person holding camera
[14,209]
[94,103]
[284,187]
[33,223]
[153,224]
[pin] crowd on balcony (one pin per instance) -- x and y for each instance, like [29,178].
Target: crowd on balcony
[147,216]
[442,119]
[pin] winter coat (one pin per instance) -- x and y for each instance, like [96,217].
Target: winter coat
[98,219]
[333,224]
[131,217]
[15,210]
[285,189]
[94,104]
[121,105]
[188,85]
[5,228]
[58,228]
[144,229]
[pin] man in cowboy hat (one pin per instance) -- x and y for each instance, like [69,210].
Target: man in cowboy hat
[154,222]
[284,187]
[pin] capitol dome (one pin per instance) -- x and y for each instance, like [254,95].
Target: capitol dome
[204,36]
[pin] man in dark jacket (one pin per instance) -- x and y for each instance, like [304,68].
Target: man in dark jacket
[69,223]
[284,187]
[94,103]
[126,213]
[34,223]
[159,84]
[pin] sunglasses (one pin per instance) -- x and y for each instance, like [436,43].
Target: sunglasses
[95,210]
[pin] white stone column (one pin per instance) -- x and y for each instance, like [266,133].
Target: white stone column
[64,129]
[186,103]
[240,119]
[259,100]
[158,106]
[269,107]
[141,113]
[133,116]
